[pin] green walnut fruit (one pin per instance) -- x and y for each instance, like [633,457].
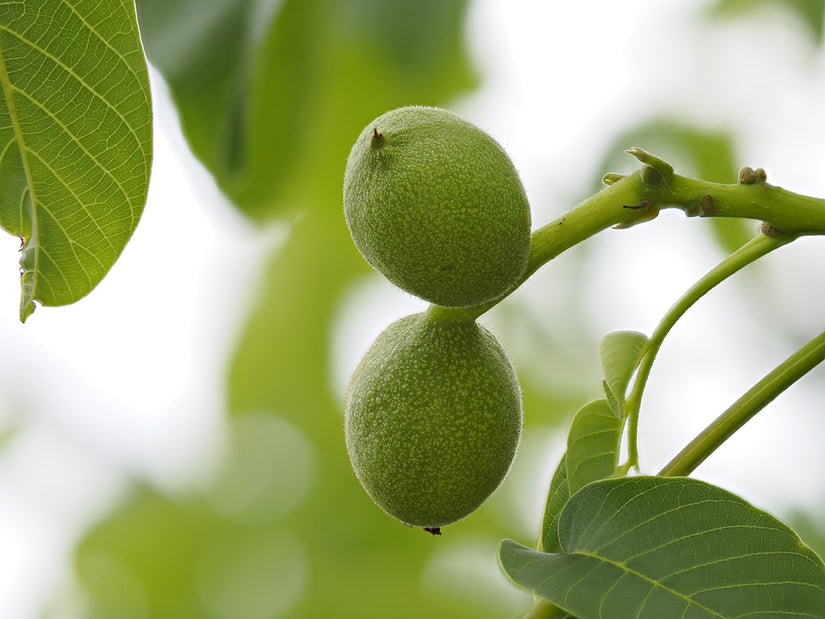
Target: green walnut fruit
[435,205]
[432,419]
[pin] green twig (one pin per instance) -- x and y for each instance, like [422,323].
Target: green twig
[745,255]
[597,213]
[638,197]
[756,398]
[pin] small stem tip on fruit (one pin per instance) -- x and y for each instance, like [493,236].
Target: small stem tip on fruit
[377,140]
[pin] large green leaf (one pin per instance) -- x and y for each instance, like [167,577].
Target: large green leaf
[592,444]
[670,547]
[75,141]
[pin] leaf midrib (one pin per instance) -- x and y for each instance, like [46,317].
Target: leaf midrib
[71,71]
[651,581]
[21,146]
[88,87]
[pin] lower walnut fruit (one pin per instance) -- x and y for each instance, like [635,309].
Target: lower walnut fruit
[432,419]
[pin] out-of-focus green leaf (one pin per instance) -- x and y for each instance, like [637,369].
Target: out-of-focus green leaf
[140,563]
[76,130]
[811,13]
[592,444]
[620,353]
[556,368]
[264,89]
[670,547]
[222,553]
[276,128]
[692,150]
[163,559]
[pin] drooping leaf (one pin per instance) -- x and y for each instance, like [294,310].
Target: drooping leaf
[620,353]
[263,89]
[670,547]
[557,498]
[556,369]
[592,444]
[75,141]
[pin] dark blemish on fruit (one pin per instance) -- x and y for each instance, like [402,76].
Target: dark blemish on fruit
[433,530]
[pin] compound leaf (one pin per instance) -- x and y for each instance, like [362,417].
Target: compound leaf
[75,141]
[651,547]
[592,444]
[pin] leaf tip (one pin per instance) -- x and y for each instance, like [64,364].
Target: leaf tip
[26,309]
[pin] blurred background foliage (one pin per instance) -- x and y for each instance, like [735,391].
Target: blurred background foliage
[270,97]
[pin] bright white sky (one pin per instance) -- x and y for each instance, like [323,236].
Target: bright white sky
[132,376]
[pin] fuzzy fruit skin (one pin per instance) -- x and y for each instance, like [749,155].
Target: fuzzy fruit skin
[432,419]
[435,205]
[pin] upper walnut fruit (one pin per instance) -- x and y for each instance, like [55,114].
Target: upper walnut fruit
[435,205]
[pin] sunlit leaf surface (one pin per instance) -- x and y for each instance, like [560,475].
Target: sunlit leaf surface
[75,141]
[670,547]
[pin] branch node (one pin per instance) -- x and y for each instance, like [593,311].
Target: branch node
[706,206]
[661,166]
